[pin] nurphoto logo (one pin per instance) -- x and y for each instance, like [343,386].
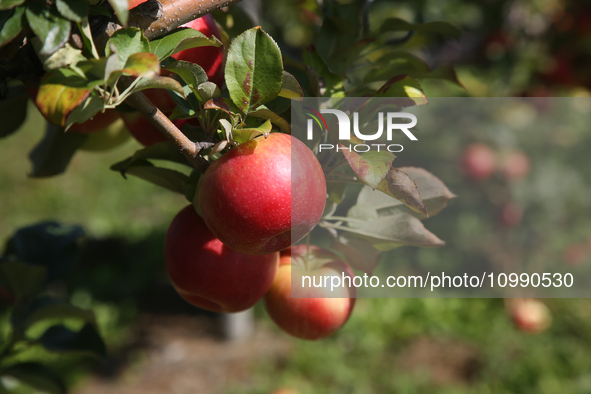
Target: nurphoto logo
[344,129]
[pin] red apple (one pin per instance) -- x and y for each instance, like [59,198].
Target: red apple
[530,315]
[478,161]
[320,314]
[211,59]
[515,165]
[208,274]
[263,195]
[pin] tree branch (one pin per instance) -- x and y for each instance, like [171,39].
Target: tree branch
[187,147]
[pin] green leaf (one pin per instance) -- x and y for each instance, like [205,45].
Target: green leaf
[50,308]
[121,10]
[84,28]
[246,134]
[60,92]
[53,153]
[290,87]
[433,192]
[91,106]
[371,166]
[400,185]
[208,91]
[336,191]
[63,57]
[37,376]
[390,232]
[10,4]
[52,29]
[22,279]
[74,10]
[436,27]
[159,151]
[191,73]
[265,113]
[342,60]
[359,253]
[141,65]
[444,72]
[11,24]
[15,105]
[324,82]
[126,42]
[180,40]
[61,339]
[254,69]
[388,63]
[164,177]
[403,86]
[48,244]
[160,83]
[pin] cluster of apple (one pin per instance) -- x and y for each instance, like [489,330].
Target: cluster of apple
[239,249]
[480,162]
[111,127]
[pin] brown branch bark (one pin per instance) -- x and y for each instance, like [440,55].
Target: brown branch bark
[187,147]
[158,17]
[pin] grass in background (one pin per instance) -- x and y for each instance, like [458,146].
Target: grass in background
[88,194]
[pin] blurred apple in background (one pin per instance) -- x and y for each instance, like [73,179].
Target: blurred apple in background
[478,161]
[515,165]
[530,315]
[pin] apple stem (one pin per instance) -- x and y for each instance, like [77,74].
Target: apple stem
[187,147]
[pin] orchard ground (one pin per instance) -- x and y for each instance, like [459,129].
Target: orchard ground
[158,343]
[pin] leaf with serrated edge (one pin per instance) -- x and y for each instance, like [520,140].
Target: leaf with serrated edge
[290,87]
[371,166]
[400,185]
[254,69]
[433,192]
[180,40]
[265,113]
[164,177]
